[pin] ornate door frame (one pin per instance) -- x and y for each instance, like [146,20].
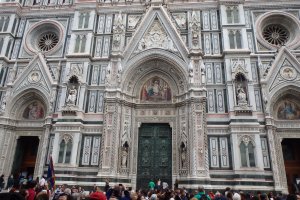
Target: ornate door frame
[139,120]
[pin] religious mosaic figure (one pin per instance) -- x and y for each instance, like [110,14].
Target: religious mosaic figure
[156,89]
[288,110]
[34,111]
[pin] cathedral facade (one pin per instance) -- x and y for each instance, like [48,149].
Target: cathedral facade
[199,92]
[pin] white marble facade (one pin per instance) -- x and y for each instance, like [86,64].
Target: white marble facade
[83,78]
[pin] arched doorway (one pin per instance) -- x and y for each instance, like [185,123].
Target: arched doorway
[25,156]
[291,156]
[154,154]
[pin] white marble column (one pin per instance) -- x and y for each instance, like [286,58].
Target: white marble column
[42,153]
[76,140]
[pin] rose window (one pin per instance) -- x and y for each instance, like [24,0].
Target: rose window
[276,34]
[47,41]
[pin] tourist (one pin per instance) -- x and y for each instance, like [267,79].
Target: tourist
[30,192]
[10,182]
[201,193]
[97,195]
[1,182]
[151,185]
[42,182]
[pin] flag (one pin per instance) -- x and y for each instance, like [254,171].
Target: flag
[51,175]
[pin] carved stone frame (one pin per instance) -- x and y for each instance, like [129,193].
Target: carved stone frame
[171,120]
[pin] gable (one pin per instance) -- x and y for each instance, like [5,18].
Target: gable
[158,31]
[285,70]
[36,75]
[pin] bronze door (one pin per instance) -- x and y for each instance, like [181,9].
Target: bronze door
[154,154]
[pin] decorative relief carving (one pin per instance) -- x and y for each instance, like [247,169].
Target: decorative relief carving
[76,69]
[34,77]
[118,30]
[288,72]
[195,27]
[180,19]
[3,103]
[156,37]
[133,21]
[246,139]
[238,66]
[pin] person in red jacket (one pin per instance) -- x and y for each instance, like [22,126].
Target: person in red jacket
[30,191]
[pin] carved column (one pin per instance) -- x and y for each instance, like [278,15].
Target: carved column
[110,141]
[42,153]
[198,138]
[277,160]
[2,159]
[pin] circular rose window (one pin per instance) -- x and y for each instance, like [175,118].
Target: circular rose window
[47,41]
[276,34]
[45,36]
[275,29]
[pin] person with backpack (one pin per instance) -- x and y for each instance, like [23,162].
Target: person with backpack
[201,194]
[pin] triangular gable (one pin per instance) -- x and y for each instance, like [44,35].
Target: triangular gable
[158,31]
[35,75]
[284,70]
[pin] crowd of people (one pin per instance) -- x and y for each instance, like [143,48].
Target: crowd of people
[38,190]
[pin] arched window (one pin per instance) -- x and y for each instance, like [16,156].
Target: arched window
[232,15]
[231,40]
[80,44]
[1,44]
[6,20]
[235,39]
[1,23]
[86,22]
[229,15]
[77,44]
[247,154]
[83,42]
[8,48]
[65,149]
[235,12]
[238,39]
[81,17]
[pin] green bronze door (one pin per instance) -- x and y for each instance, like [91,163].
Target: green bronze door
[154,154]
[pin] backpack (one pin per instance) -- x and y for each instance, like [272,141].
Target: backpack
[204,197]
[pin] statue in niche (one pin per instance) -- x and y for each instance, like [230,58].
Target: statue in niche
[3,105]
[203,80]
[241,95]
[183,154]
[71,100]
[124,155]
[72,91]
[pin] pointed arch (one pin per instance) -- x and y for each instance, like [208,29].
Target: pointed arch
[155,62]
[19,103]
[286,96]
